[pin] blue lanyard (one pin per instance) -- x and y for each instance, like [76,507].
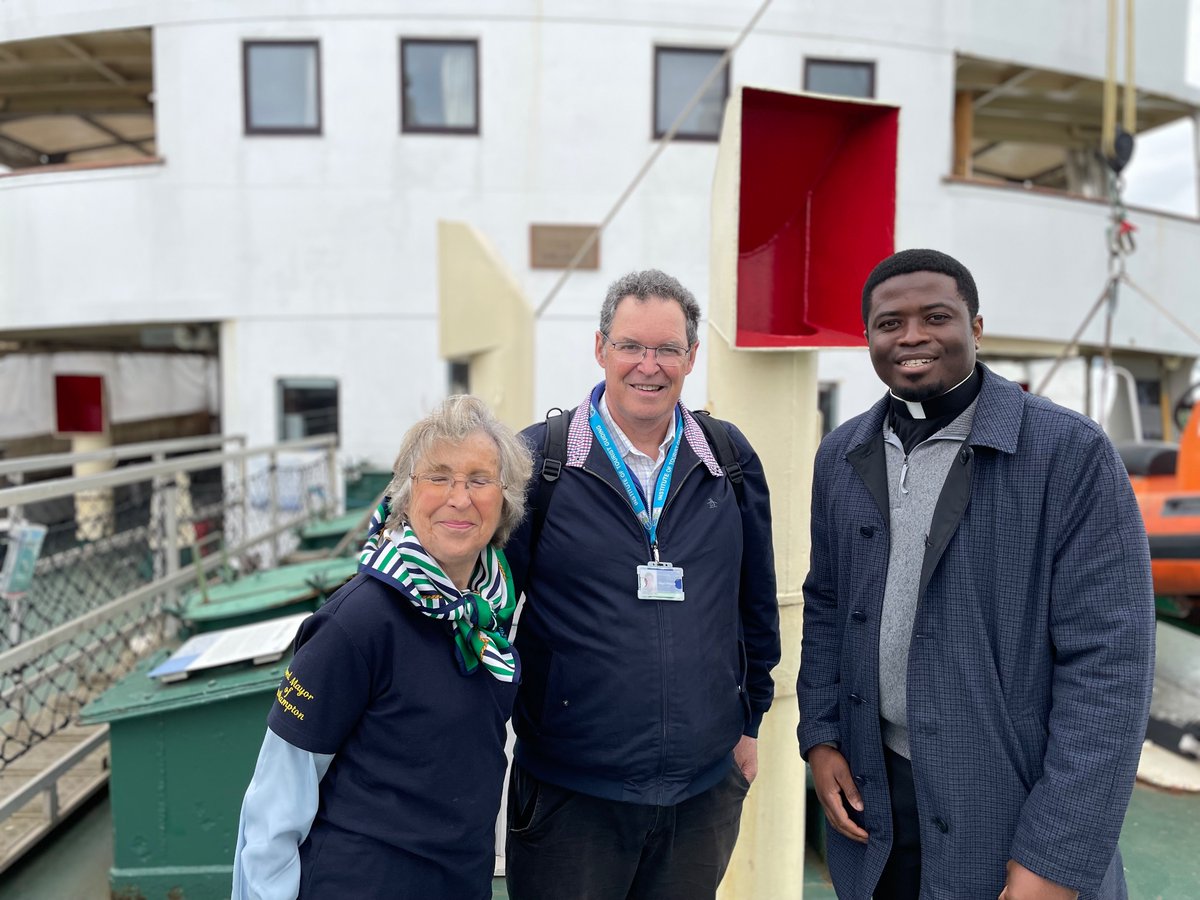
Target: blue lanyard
[648,518]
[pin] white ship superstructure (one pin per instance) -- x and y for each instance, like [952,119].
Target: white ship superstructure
[252,189]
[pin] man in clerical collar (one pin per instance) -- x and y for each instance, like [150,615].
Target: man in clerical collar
[649,627]
[978,622]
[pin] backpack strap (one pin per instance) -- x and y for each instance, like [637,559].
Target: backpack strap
[554,456]
[718,439]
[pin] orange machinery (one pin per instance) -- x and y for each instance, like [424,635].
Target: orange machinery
[1166,480]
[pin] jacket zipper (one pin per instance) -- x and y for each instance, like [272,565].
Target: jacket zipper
[662,650]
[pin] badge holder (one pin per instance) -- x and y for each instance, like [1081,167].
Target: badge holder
[660,581]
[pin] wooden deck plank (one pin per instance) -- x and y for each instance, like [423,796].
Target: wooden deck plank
[22,831]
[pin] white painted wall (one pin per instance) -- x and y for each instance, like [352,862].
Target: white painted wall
[319,253]
[1043,284]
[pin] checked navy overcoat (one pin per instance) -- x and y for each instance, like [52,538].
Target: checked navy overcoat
[1032,652]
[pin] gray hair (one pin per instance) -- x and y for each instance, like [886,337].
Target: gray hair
[454,420]
[651,283]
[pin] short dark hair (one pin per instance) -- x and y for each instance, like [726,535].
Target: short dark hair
[908,261]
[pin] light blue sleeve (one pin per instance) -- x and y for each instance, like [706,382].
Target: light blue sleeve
[278,811]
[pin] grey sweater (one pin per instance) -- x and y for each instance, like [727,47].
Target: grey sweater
[914,485]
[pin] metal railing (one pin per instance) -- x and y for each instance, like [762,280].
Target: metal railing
[121,547]
[46,785]
[22,465]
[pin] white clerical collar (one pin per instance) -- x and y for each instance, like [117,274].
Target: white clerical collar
[917,410]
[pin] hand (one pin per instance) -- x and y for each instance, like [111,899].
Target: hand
[1022,884]
[831,776]
[745,754]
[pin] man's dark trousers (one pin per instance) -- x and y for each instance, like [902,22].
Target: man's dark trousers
[566,844]
[901,878]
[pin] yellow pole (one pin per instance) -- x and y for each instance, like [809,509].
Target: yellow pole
[1108,126]
[93,509]
[964,125]
[772,397]
[1130,104]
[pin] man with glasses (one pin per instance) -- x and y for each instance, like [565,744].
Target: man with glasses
[649,630]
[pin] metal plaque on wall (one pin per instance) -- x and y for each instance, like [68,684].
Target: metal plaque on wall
[554,246]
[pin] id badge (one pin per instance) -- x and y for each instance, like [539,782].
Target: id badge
[660,581]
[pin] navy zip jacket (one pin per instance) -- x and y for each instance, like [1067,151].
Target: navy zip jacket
[643,700]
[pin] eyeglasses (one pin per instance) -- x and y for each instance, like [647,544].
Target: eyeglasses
[668,355]
[444,482]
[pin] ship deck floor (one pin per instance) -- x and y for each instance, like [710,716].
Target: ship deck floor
[1158,844]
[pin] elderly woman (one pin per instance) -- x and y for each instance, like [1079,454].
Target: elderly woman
[381,771]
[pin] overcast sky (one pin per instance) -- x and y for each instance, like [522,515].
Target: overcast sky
[1162,174]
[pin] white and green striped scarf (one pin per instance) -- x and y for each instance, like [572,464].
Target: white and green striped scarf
[479,617]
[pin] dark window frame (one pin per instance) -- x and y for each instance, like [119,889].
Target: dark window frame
[271,130]
[655,134]
[284,383]
[828,394]
[869,64]
[458,376]
[467,130]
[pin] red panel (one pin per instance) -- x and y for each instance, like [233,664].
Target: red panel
[79,400]
[817,212]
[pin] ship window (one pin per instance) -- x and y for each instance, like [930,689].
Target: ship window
[282,83]
[439,86]
[459,377]
[845,78]
[306,407]
[678,72]
[1149,397]
[827,402]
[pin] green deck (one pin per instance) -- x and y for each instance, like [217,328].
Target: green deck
[1158,843]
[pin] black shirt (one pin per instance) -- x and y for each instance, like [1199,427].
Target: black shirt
[939,411]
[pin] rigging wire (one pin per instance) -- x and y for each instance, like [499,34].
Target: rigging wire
[666,139]
[1074,341]
[1170,316]
[1120,245]
[1116,147]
